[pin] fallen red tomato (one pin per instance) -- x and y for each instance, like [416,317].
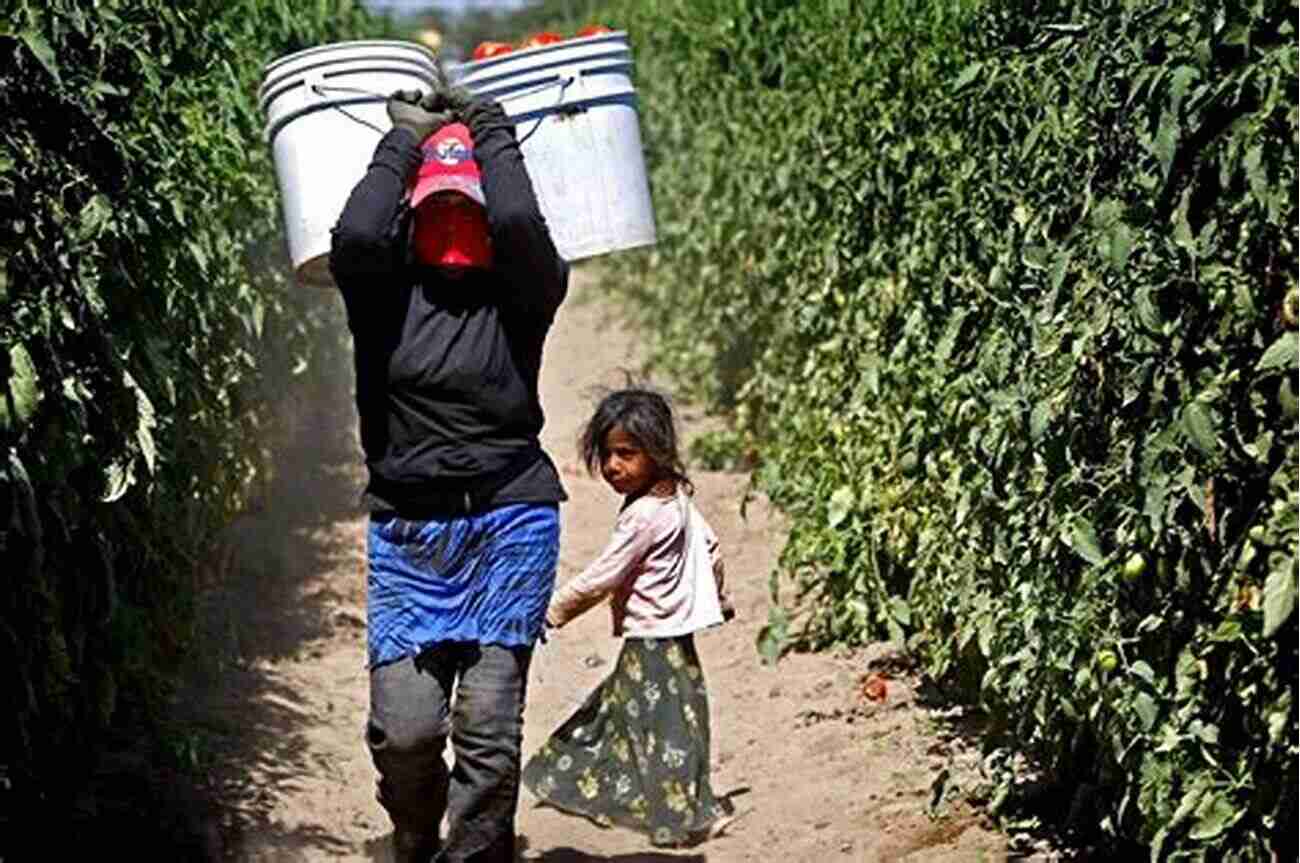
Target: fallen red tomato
[875,687]
[544,38]
[593,30]
[491,49]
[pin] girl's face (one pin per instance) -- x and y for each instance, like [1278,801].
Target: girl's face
[627,467]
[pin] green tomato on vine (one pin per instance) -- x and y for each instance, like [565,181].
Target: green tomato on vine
[1135,566]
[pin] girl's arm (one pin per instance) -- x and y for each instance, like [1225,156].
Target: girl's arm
[625,549]
[719,574]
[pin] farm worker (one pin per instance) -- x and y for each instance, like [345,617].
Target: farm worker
[451,281]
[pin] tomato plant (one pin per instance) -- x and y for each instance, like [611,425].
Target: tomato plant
[148,331]
[1008,302]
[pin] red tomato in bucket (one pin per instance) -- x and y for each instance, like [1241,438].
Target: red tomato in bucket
[593,30]
[491,49]
[544,38]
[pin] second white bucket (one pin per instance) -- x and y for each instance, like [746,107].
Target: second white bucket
[575,114]
[325,112]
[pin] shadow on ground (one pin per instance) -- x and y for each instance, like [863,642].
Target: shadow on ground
[264,601]
[572,855]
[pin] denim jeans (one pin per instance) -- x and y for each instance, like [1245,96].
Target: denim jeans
[474,694]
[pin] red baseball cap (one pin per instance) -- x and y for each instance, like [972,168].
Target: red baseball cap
[448,165]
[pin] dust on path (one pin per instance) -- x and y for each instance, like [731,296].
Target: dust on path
[817,772]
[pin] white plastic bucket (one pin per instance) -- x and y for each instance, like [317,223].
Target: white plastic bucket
[575,113]
[325,112]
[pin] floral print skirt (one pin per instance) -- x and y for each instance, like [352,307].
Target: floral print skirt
[636,753]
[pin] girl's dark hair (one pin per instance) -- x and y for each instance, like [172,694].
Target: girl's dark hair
[648,418]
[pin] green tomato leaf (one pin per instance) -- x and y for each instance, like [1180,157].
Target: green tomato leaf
[1282,354]
[967,76]
[1198,790]
[146,422]
[943,350]
[1145,708]
[871,372]
[1147,311]
[1183,235]
[1215,815]
[117,479]
[1277,723]
[1228,630]
[1199,428]
[1035,257]
[103,88]
[23,385]
[1121,245]
[1144,671]
[1039,419]
[1280,595]
[1286,397]
[1083,539]
[94,216]
[1255,173]
[839,507]
[1166,142]
[1060,267]
[42,51]
[1179,82]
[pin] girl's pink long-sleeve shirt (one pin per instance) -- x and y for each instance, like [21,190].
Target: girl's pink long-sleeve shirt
[641,571]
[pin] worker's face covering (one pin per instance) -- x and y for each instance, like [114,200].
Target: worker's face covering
[451,232]
[451,229]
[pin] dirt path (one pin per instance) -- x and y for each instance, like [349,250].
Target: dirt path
[819,772]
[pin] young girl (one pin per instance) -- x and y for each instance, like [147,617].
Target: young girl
[636,753]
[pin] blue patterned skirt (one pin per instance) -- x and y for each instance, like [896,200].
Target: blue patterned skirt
[485,577]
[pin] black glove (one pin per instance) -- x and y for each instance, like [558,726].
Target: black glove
[459,100]
[483,114]
[423,114]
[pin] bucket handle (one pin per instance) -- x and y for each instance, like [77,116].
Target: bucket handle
[562,81]
[320,89]
[316,85]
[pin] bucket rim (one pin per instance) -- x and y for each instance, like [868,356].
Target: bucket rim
[502,87]
[279,83]
[481,77]
[401,44]
[501,59]
[265,103]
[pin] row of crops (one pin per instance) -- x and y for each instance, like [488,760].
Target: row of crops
[1002,299]
[146,327]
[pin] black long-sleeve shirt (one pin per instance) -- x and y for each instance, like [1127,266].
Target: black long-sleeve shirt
[447,369]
